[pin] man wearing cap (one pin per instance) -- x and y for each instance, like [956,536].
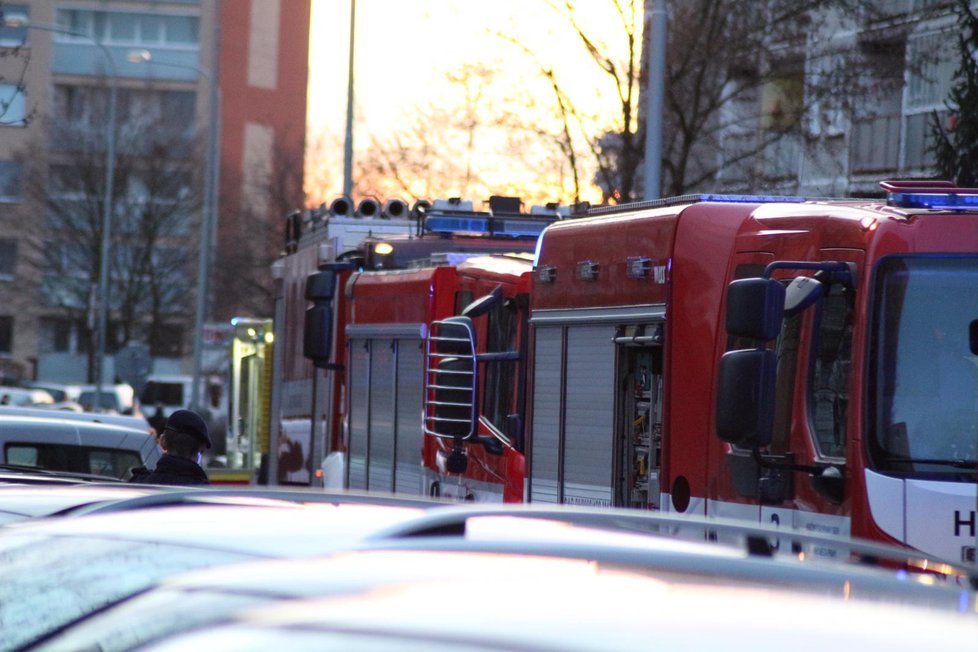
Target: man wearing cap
[183,440]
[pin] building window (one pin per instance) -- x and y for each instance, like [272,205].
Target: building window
[68,258]
[929,78]
[8,259]
[174,109]
[13,106]
[6,334]
[55,335]
[178,108]
[10,178]
[782,108]
[124,28]
[11,37]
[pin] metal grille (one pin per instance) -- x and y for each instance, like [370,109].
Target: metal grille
[451,382]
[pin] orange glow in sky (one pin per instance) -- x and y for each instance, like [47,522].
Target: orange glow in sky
[405,48]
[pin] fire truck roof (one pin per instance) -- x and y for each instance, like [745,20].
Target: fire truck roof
[925,194]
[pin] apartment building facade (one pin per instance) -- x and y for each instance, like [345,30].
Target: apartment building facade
[852,103]
[165,62]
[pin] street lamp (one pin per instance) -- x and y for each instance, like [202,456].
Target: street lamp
[210,208]
[21,20]
[657,19]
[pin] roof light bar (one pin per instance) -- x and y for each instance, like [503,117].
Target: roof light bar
[693,199]
[935,201]
[486,225]
[929,194]
[751,199]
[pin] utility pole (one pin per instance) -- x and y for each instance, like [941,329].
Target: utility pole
[348,146]
[657,19]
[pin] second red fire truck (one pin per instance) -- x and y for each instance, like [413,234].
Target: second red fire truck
[349,392]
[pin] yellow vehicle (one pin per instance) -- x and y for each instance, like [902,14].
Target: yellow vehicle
[248,405]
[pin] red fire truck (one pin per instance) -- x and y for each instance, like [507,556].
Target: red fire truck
[803,363]
[350,333]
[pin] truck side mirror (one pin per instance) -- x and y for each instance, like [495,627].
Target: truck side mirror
[451,381]
[802,292]
[745,397]
[483,304]
[317,336]
[755,308]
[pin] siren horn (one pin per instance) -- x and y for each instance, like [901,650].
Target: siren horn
[368,207]
[394,209]
[341,207]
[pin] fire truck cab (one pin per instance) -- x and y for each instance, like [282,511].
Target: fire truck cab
[390,315]
[809,364]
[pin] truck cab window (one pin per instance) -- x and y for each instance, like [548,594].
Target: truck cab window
[786,346]
[829,382]
[500,376]
[924,372]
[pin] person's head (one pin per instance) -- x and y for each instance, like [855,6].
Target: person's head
[185,435]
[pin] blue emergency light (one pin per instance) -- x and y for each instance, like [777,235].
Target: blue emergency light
[682,200]
[525,227]
[928,194]
[942,201]
[750,199]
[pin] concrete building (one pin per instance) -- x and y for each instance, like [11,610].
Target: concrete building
[60,65]
[849,103]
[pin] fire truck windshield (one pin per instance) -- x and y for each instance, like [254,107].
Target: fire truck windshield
[923,367]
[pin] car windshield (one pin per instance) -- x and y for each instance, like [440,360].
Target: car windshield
[149,616]
[924,373]
[46,583]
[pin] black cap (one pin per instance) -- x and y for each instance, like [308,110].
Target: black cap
[190,423]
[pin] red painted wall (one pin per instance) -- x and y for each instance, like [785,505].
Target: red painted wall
[282,108]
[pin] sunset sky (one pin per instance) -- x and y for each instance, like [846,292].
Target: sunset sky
[404,49]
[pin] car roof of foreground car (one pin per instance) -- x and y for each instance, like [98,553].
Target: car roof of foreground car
[25,495]
[53,571]
[425,551]
[488,533]
[756,538]
[23,475]
[427,600]
[23,501]
[249,525]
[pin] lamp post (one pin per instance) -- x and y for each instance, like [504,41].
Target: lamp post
[20,20]
[348,142]
[658,22]
[209,212]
